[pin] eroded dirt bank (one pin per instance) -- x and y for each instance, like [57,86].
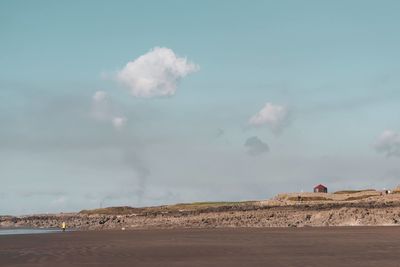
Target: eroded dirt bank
[279,212]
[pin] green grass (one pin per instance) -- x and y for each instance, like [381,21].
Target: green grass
[211,204]
[172,208]
[316,198]
[353,191]
[111,211]
[359,197]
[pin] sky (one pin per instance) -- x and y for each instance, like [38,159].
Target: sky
[106,103]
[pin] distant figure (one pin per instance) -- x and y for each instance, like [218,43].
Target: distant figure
[63,226]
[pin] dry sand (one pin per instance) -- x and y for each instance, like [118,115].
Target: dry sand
[329,246]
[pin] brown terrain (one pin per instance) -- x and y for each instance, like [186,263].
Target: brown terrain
[277,247]
[253,233]
[344,208]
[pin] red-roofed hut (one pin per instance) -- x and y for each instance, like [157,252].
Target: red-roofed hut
[320,189]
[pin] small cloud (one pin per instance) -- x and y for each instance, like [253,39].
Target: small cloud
[219,133]
[155,73]
[255,146]
[388,143]
[99,96]
[103,110]
[101,106]
[119,122]
[276,117]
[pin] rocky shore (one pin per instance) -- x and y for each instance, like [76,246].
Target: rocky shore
[283,211]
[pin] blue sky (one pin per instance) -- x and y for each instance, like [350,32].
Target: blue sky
[240,100]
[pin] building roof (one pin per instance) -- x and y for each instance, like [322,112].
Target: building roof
[320,186]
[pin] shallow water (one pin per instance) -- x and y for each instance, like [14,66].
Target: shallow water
[23,231]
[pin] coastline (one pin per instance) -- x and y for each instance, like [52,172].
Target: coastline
[374,210]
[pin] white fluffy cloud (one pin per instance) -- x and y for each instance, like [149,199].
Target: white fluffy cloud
[103,110]
[155,73]
[119,122]
[388,143]
[276,117]
[99,96]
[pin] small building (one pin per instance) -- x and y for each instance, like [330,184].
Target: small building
[320,189]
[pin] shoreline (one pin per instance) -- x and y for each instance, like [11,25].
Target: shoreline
[370,211]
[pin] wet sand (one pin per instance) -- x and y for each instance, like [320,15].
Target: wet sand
[334,246]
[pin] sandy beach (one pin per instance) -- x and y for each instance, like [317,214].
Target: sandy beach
[329,246]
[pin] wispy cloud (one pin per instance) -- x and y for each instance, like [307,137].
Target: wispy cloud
[41,193]
[101,106]
[219,133]
[119,122]
[103,110]
[155,73]
[100,96]
[388,143]
[255,146]
[276,117]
